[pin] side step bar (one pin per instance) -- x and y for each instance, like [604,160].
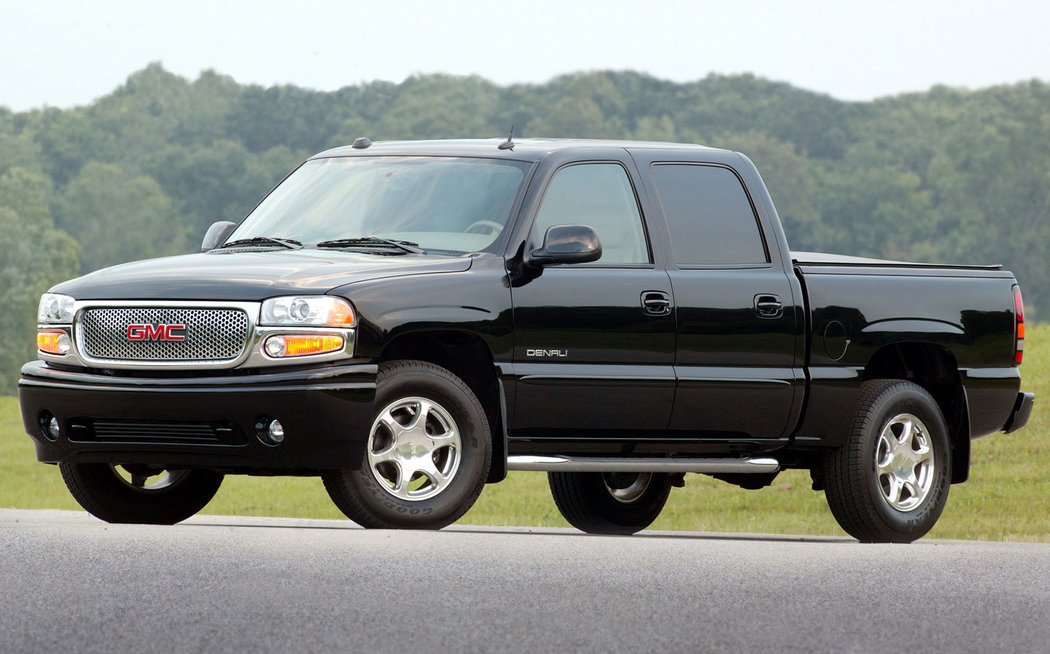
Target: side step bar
[609,464]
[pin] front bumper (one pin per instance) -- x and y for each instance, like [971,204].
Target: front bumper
[203,422]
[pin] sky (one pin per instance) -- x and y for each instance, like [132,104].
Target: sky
[63,53]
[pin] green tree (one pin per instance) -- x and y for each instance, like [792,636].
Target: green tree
[791,180]
[947,175]
[581,106]
[35,256]
[441,106]
[873,208]
[116,216]
[220,181]
[991,184]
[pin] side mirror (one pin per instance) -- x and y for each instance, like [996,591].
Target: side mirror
[567,244]
[217,234]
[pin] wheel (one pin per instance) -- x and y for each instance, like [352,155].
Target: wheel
[139,494]
[609,502]
[889,482]
[428,452]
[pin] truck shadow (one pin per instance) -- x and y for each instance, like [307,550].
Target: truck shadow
[529,532]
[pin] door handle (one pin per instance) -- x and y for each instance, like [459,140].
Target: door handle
[768,306]
[656,303]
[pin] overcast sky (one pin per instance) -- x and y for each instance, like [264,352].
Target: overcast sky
[62,53]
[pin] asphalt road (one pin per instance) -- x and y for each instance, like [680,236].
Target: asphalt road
[70,583]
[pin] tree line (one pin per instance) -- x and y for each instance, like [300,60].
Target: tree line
[948,175]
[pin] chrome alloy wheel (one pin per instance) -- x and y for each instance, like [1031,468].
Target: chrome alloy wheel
[626,488]
[904,462]
[414,448]
[146,479]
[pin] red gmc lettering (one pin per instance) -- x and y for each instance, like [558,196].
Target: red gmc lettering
[156,332]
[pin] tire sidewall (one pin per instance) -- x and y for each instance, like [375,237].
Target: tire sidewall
[100,491]
[637,514]
[474,451]
[587,504]
[916,402]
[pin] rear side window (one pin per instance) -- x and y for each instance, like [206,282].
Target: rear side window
[709,215]
[599,195]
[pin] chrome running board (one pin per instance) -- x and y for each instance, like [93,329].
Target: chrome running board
[609,464]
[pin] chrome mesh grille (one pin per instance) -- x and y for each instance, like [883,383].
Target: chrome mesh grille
[211,334]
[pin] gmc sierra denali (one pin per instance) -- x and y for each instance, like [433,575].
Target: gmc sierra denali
[410,320]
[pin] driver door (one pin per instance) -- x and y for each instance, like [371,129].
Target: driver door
[594,343]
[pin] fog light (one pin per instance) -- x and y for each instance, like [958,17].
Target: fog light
[275,432]
[49,426]
[269,430]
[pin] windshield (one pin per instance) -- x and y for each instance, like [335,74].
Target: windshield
[446,204]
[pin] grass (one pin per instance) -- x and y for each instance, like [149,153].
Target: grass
[1006,498]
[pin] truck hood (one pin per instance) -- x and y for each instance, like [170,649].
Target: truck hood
[249,276]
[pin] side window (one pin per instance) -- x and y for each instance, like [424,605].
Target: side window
[599,195]
[709,215]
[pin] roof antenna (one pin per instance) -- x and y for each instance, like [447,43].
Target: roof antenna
[509,143]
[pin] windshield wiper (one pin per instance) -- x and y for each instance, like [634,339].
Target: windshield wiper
[289,243]
[373,241]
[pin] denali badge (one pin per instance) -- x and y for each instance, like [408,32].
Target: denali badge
[546,353]
[156,332]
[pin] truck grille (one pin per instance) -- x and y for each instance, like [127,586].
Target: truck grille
[208,334]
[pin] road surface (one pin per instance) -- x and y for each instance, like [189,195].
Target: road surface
[71,583]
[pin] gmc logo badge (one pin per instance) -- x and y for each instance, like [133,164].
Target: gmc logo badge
[156,332]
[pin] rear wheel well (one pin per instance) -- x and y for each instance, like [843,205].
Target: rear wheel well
[469,358]
[935,369]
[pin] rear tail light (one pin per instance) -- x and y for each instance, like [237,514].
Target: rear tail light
[1019,322]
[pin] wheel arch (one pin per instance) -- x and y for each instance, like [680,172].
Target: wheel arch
[934,368]
[467,356]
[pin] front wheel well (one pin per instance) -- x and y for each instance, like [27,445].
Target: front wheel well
[935,369]
[469,358]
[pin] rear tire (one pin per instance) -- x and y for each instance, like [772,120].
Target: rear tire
[889,482]
[106,492]
[609,503]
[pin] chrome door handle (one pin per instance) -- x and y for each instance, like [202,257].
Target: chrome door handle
[656,303]
[768,306]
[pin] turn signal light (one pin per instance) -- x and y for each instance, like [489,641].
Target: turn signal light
[1019,334]
[52,341]
[300,345]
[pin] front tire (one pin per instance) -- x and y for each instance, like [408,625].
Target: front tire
[428,452]
[889,482]
[609,503]
[136,494]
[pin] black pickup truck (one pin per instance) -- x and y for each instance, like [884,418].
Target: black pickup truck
[411,320]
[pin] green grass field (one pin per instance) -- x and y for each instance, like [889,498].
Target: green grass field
[1007,497]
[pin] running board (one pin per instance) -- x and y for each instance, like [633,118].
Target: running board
[609,464]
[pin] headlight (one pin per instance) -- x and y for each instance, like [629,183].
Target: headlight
[307,310]
[55,309]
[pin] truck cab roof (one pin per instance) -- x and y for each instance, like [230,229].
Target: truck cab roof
[531,149]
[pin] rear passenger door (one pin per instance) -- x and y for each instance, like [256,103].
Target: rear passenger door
[737,319]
